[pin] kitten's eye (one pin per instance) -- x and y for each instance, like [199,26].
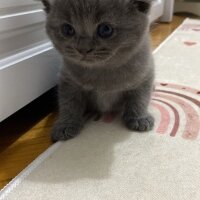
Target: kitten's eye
[67,30]
[104,31]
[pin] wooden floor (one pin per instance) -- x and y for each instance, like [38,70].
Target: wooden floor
[25,135]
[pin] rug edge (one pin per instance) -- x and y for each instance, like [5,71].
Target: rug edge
[171,35]
[30,168]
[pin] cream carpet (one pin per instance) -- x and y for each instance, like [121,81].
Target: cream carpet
[108,162]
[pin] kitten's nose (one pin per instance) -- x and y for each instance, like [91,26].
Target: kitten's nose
[85,45]
[84,51]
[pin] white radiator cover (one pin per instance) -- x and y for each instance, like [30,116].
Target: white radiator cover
[28,63]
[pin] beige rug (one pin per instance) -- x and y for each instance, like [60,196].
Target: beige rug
[108,162]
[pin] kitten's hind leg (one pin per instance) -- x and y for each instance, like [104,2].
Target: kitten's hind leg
[136,116]
[71,109]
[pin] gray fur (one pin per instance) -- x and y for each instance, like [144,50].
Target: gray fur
[118,72]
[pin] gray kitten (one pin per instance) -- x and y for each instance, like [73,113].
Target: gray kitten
[108,65]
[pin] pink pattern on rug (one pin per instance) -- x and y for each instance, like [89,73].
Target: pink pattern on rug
[165,119]
[176,118]
[180,96]
[196,29]
[190,27]
[192,118]
[190,43]
[179,87]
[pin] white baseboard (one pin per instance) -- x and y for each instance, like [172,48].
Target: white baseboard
[25,76]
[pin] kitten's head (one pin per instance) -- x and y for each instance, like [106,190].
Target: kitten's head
[94,32]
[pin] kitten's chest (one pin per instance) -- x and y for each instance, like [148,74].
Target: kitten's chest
[101,79]
[106,81]
[108,101]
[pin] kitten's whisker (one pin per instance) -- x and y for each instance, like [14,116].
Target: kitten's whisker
[102,53]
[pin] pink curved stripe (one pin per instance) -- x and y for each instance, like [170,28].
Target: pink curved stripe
[192,118]
[165,118]
[195,101]
[179,87]
[176,117]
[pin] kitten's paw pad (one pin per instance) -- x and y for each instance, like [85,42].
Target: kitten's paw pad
[141,124]
[60,133]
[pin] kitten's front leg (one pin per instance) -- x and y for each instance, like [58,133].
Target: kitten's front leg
[71,109]
[136,116]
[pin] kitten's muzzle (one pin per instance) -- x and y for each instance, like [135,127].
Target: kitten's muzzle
[84,51]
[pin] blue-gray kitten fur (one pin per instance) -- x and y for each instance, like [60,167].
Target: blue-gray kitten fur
[102,74]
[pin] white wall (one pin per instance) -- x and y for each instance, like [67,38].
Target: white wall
[188,6]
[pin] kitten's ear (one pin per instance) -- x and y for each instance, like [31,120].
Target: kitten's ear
[47,4]
[142,5]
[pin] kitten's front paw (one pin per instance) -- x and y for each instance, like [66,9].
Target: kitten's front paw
[140,124]
[66,132]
